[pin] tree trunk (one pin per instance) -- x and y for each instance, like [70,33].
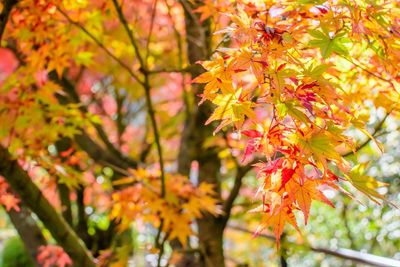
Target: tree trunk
[211,241]
[31,195]
[29,232]
[211,228]
[195,134]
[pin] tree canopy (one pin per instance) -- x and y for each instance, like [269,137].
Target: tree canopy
[158,123]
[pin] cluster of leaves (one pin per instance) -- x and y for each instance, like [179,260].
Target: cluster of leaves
[38,111]
[279,84]
[29,88]
[52,255]
[182,204]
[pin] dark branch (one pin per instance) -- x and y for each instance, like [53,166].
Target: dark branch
[5,13]
[31,195]
[241,171]
[120,159]
[28,230]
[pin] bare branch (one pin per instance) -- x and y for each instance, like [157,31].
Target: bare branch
[241,171]
[346,254]
[22,184]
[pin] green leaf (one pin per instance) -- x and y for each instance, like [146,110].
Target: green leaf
[316,71]
[281,109]
[322,145]
[328,44]
[296,113]
[364,183]
[290,108]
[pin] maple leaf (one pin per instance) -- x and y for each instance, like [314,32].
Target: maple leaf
[305,193]
[231,108]
[306,95]
[218,76]
[181,230]
[252,133]
[319,145]
[208,9]
[292,109]
[315,71]
[254,143]
[287,174]
[244,59]
[277,221]
[263,142]
[10,202]
[329,43]
[52,255]
[365,183]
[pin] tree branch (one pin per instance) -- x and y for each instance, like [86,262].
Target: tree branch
[100,44]
[69,88]
[187,69]
[346,254]
[28,230]
[5,13]
[22,184]
[368,71]
[128,30]
[149,103]
[147,88]
[375,131]
[241,171]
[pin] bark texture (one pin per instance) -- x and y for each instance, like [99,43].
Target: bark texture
[194,136]
[29,232]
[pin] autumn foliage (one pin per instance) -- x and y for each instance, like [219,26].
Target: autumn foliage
[149,114]
[282,85]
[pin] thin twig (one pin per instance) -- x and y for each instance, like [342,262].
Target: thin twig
[161,253]
[150,108]
[153,15]
[166,70]
[367,71]
[101,45]
[130,34]
[152,116]
[377,128]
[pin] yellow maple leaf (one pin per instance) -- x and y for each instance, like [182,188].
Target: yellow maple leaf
[365,183]
[231,108]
